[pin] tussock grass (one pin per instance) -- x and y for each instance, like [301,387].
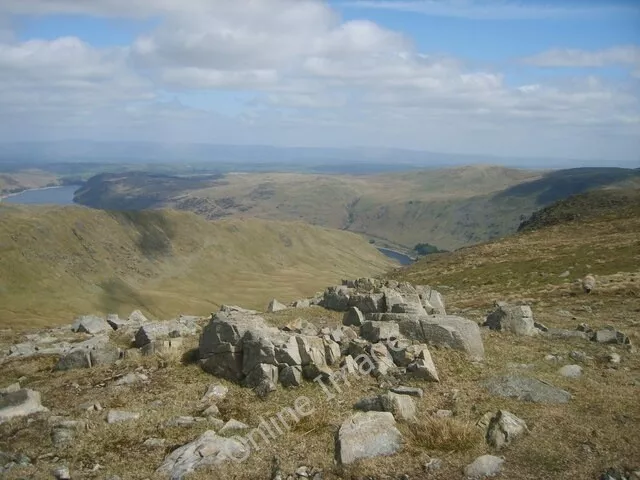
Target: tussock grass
[449,435]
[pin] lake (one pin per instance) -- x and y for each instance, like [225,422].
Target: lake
[45,196]
[397,256]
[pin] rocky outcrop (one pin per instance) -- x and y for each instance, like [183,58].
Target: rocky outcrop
[367,435]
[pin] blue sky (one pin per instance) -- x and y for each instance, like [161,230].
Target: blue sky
[500,77]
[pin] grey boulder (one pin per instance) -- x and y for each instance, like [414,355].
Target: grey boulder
[504,428]
[484,466]
[21,403]
[90,324]
[209,449]
[516,319]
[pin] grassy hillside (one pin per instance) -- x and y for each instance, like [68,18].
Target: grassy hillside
[541,267]
[448,208]
[57,262]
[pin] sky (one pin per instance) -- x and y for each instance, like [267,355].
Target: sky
[527,78]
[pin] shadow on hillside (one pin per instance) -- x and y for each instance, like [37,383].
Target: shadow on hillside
[154,228]
[117,293]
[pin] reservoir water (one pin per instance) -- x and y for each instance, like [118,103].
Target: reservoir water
[45,196]
[397,256]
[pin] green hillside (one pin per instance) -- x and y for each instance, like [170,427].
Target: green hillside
[57,262]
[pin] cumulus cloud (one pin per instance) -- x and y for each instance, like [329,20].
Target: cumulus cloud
[496,9]
[311,79]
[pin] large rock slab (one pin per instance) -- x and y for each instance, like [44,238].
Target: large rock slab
[353,317]
[90,324]
[367,302]
[367,435]
[440,330]
[517,319]
[527,389]
[209,449]
[21,403]
[93,352]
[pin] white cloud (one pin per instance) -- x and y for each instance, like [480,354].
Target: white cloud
[496,9]
[620,55]
[313,79]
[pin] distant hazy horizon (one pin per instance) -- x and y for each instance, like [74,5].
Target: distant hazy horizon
[91,151]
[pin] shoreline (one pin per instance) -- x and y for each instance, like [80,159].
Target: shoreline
[14,194]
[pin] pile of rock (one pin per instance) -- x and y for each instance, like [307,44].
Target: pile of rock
[390,325]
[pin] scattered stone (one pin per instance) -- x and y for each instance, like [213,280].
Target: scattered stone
[565,274]
[517,319]
[611,335]
[423,367]
[233,426]
[579,356]
[411,391]
[588,283]
[484,466]
[350,365]
[183,421]
[571,371]
[369,404]
[137,317]
[431,300]
[62,436]
[504,427]
[119,416]
[331,351]
[432,465]
[301,326]
[304,303]
[151,332]
[90,407]
[353,317]
[527,389]
[336,298]
[207,450]
[76,359]
[614,358]
[215,393]
[131,379]
[14,387]
[444,413]
[155,443]
[211,411]
[381,358]
[61,473]
[367,435]
[90,324]
[275,306]
[163,347]
[20,403]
